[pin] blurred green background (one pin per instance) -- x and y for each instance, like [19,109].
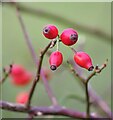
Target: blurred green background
[97,15]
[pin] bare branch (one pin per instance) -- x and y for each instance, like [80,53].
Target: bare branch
[37,75]
[98,101]
[34,56]
[26,34]
[97,70]
[87,100]
[52,110]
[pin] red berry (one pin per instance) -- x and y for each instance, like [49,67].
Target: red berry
[17,70]
[69,36]
[55,60]
[83,60]
[20,76]
[22,98]
[22,80]
[50,31]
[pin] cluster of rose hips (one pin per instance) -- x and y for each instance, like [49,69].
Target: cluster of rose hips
[68,37]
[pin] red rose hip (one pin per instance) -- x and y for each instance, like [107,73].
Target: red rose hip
[22,80]
[69,36]
[22,98]
[17,70]
[55,60]
[83,60]
[50,31]
[20,76]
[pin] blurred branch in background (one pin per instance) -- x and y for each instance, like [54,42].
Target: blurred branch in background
[64,21]
[38,76]
[35,59]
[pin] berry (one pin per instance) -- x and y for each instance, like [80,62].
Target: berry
[50,31]
[55,60]
[22,98]
[17,70]
[69,36]
[20,76]
[83,60]
[22,80]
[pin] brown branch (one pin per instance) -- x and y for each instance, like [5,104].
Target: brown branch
[34,56]
[52,110]
[37,75]
[85,85]
[87,100]
[96,70]
[26,34]
[80,79]
[64,21]
[98,101]
[6,74]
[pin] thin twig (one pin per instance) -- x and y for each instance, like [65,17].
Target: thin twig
[26,34]
[34,56]
[87,100]
[85,85]
[98,101]
[75,73]
[37,75]
[54,110]
[97,70]
[6,74]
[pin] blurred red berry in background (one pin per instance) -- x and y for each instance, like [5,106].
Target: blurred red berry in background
[22,97]
[20,76]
